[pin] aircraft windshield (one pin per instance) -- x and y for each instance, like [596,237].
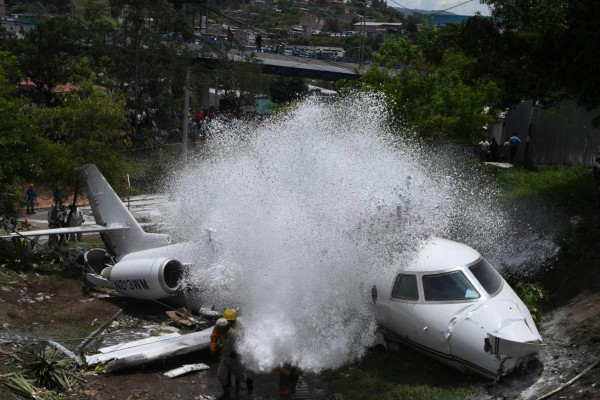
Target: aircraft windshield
[449,286]
[487,276]
[405,287]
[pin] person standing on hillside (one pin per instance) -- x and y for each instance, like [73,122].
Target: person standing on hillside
[76,219]
[258,43]
[484,150]
[513,145]
[494,157]
[57,196]
[30,196]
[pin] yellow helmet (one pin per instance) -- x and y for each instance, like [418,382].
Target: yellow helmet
[229,314]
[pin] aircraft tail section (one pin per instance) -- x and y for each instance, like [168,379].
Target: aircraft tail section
[108,209]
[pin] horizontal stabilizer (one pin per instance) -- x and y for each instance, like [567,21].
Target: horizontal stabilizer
[67,230]
[98,280]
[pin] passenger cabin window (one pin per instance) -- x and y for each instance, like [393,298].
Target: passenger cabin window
[405,287]
[448,286]
[487,276]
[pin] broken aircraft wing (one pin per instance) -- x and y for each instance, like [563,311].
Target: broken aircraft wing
[62,231]
[144,351]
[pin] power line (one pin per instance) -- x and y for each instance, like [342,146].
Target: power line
[450,8]
[440,11]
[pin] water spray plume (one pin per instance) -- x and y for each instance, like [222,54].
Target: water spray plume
[303,211]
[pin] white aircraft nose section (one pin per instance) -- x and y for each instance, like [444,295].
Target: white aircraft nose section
[499,327]
[504,347]
[504,318]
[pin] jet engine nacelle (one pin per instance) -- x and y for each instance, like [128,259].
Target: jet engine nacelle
[146,278]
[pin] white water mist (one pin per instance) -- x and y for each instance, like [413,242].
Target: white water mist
[304,210]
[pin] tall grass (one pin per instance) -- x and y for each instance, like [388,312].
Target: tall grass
[568,186]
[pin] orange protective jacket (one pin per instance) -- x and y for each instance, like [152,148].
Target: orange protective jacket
[215,341]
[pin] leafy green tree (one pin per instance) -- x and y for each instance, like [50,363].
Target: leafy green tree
[580,63]
[550,49]
[48,52]
[240,81]
[88,125]
[29,7]
[331,25]
[285,90]
[7,40]
[92,10]
[23,150]
[437,101]
[153,69]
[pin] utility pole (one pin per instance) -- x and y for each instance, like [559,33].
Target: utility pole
[362,34]
[186,117]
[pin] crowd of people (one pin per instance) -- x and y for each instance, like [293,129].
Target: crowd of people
[60,216]
[145,132]
[491,150]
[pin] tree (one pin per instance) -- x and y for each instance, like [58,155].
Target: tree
[22,150]
[48,52]
[89,127]
[7,40]
[92,10]
[437,101]
[240,81]
[284,90]
[551,48]
[579,67]
[153,69]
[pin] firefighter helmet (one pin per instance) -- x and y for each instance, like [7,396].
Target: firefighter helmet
[229,314]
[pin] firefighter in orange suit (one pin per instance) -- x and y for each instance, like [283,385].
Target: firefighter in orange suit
[223,340]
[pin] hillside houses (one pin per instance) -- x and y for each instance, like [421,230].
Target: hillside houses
[376,29]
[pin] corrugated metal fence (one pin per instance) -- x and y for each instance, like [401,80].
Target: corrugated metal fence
[562,135]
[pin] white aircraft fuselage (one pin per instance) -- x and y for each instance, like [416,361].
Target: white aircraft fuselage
[451,304]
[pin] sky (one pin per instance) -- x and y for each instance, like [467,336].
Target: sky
[469,8]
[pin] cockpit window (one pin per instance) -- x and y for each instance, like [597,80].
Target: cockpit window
[487,276]
[405,287]
[448,286]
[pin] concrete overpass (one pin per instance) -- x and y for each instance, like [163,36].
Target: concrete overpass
[302,67]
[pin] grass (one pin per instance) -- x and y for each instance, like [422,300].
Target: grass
[570,186]
[404,374]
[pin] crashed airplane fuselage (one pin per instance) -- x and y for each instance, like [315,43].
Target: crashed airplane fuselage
[451,304]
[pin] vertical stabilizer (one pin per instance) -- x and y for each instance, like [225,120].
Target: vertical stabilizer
[108,209]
